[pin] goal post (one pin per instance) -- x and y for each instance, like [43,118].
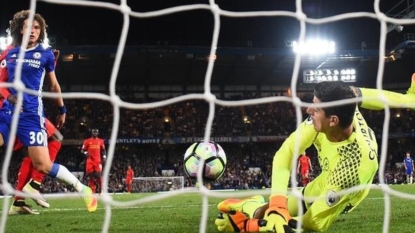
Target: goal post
[157,184]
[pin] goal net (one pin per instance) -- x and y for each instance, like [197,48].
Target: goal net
[157,184]
[175,184]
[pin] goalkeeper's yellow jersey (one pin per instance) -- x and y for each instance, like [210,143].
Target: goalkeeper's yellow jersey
[344,165]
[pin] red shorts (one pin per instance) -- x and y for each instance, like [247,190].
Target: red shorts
[92,166]
[304,171]
[128,181]
[50,130]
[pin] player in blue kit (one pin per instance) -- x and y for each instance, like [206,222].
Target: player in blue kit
[38,63]
[408,162]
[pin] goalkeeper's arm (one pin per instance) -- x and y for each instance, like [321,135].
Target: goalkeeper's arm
[282,164]
[371,98]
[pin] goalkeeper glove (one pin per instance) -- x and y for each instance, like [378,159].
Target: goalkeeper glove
[238,222]
[277,216]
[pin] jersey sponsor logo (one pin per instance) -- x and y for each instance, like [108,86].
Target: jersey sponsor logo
[3,64]
[37,55]
[332,198]
[32,62]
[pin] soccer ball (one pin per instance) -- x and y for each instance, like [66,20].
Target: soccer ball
[214,163]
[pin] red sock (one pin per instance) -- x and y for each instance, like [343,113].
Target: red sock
[304,181]
[53,147]
[92,184]
[99,182]
[24,175]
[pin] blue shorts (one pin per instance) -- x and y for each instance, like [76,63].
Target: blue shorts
[5,120]
[31,129]
[409,171]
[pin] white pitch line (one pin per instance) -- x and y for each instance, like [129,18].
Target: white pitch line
[120,208]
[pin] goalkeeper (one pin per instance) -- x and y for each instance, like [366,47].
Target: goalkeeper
[347,152]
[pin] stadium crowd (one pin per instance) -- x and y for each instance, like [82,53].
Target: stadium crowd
[249,163]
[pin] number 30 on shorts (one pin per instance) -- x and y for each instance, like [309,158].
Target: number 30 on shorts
[37,137]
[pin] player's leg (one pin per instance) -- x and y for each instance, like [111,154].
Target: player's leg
[23,175]
[241,215]
[91,183]
[317,215]
[21,207]
[98,176]
[129,185]
[408,176]
[34,137]
[98,181]
[42,163]
[247,206]
[89,171]
[54,145]
[307,176]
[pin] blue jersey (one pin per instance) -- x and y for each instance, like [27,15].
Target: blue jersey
[36,63]
[408,163]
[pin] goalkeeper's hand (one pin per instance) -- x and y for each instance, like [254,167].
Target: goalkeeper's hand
[277,216]
[237,222]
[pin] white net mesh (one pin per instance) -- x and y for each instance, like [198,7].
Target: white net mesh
[208,96]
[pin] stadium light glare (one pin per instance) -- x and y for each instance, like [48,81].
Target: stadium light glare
[4,42]
[319,75]
[314,47]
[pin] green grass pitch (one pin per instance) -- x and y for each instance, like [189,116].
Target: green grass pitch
[182,214]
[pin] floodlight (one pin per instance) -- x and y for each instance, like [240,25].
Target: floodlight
[314,47]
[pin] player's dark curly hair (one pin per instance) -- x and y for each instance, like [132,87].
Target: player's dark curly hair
[17,23]
[332,91]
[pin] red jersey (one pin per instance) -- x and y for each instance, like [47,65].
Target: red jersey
[304,162]
[4,75]
[130,174]
[94,146]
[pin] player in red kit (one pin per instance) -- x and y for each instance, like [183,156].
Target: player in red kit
[304,167]
[29,179]
[93,147]
[129,179]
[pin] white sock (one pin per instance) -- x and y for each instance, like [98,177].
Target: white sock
[67,177]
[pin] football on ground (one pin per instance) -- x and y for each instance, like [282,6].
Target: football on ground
[210,156]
